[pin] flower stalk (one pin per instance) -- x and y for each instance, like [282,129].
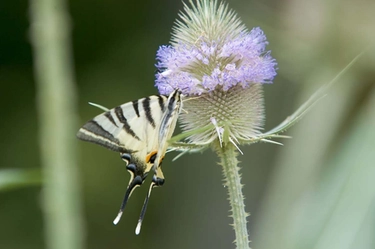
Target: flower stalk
[232,178]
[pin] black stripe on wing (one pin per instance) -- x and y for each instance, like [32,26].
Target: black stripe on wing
[95,133]
[172,100]
[146,107]
[161,100]
[124,121]
[169,114]
[135,106]
[110,118]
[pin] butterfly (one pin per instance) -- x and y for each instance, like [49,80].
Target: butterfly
[139,131]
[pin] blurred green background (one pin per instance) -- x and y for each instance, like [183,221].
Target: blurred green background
[317,191]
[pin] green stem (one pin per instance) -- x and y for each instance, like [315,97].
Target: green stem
[232,178]
[56,99]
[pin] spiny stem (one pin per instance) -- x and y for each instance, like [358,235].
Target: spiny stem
[232,178]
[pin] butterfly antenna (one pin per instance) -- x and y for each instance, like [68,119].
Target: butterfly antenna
[155,183]
[136,182]
[99,106]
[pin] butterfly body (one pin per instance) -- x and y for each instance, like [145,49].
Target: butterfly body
[140,131]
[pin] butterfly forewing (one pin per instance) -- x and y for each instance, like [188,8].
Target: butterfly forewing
[127,128]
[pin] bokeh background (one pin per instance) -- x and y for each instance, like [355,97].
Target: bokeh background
[316,191]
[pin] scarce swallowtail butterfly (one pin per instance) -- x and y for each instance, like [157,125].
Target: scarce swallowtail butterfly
[140,131]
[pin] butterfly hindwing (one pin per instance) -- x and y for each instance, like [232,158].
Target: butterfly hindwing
[167,125]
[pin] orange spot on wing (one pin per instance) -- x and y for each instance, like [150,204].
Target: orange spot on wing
[150,155]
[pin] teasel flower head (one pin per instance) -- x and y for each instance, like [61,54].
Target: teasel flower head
[220,66]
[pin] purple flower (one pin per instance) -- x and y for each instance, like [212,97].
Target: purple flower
[206,65]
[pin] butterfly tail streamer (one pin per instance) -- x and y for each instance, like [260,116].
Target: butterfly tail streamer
[144,208]
[157,181]
[136,182]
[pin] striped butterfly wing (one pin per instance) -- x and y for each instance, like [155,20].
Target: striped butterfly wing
[128,127]
[139,130]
